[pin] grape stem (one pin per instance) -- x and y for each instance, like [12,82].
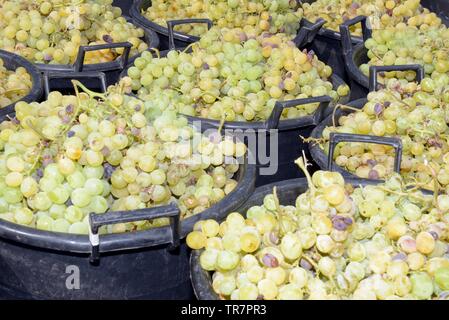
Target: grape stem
[313,263]
[36,161]
[70,3]
[188,47]
[376,55]
[91,93]
[276,202]
[401,194]
[210,93]
[158,54]
[318,141]
[222,121]
[343,107]
[13,90]
[422,131]
[400,101]
[303,164]
[36,130]
[436,185]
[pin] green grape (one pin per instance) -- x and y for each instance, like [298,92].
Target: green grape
[227,260]
[44,223]
[327,267]
[227,286]
[196,240]
[58,195]
[422,287]
[248,292]
[80,197]
[442,278]
[23,216]
[255,274]
[291,246]
[208,259]
[79,228]
[60,225]
[268,289]
[277,275]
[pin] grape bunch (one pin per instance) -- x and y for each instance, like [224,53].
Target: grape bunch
[14,84]
[409,44]
[69,156]
[416,114]
[230,76]
[51,31]
[380,13]
[336,242]
[253,17]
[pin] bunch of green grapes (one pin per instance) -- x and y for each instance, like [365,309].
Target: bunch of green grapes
[14,84]
[229,76]
[417,115]
[72,155]
[407,44]
[51,31]
[254,16]
[336,242]
[380,13]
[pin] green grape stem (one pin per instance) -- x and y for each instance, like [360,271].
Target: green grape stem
[276,203]
[36,130]
[376,55]
[400,101]
[401,194]
[319,141]
[222,121]
[313,263]
[77,84]
[68,3]
[93,94]
[36,161]
[303,164]
[343,107]
[14,90]
[158,53]
[436,184]
[188,47]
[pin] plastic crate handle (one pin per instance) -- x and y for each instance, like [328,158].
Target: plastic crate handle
[345,32]
[275,116]
[48,76]
[170,211]
[308,32]
[172,23]
[374,70]
[336,138]
[78,66]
